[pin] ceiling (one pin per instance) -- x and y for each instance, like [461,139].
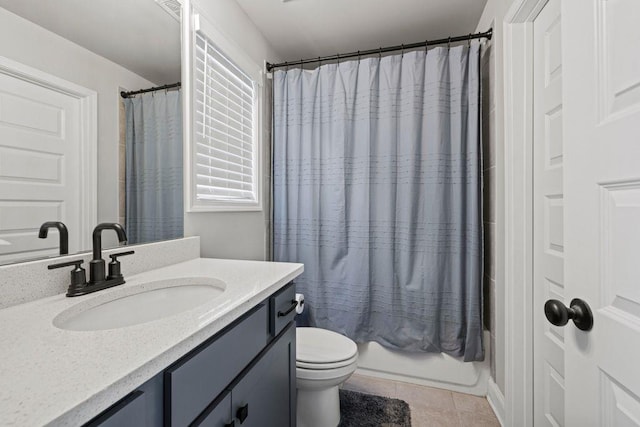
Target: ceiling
[143,38]
[136,34]
[308,28]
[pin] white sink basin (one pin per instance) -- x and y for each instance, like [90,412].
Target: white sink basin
[149,302]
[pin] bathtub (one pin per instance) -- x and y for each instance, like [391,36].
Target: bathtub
[429,369]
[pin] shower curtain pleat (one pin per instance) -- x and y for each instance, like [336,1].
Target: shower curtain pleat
[377,190]
[154,197]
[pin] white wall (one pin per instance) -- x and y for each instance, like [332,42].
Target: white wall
[240,235]
[27,43]
[493,142]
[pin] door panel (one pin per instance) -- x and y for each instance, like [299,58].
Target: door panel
[549,247]
[40,167]
[265,391]
[602,208]
[217,416]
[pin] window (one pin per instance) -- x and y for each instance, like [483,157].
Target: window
[225,167]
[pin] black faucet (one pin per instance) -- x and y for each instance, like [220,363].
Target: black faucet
[98,280]
[62,230]
[97,264]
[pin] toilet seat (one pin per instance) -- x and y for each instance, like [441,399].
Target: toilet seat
[320,376]
[325,366]
[318,348]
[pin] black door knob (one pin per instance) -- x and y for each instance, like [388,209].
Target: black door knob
[558,314]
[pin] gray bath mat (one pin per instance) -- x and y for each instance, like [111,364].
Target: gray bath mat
[366,410]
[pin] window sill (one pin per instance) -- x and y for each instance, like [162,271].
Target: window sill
[225,208]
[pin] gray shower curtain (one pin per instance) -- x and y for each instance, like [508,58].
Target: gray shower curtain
[377,190]
[154,206]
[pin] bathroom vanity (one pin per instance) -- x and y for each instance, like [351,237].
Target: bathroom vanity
[223,361]
[244,374]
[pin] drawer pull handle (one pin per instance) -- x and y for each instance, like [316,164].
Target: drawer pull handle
[243,413]
[231,424]
[294,304]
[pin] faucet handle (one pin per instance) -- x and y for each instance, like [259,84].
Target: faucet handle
[114,265]
[114,257]
[78,276]
[77,263]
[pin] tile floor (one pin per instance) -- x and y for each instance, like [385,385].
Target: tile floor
[430,407]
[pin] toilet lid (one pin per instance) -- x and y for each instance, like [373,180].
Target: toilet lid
[317,346]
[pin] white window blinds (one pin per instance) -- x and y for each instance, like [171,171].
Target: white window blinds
[224,134]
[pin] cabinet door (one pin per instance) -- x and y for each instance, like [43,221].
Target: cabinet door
[265,395]
[194,381]
[128,412]
[218,414]
[142,408]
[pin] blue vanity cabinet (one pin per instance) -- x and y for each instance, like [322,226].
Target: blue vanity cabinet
[245,375]
[128,412]
[264,394]
[218,414]
[282,307]
[141,408]
[194,381]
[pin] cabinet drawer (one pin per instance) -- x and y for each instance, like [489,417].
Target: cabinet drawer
[280,309]
[194,382]
[128,412]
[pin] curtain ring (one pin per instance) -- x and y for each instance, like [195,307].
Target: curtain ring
[380,52]
[402,51]
[319,62]
[286,66]
[358,56]
[469,40]
[426,46]
[338,58]
[449,44]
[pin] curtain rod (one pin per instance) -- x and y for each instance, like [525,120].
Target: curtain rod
[151,89]
[487,34]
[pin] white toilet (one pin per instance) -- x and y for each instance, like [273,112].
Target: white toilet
[324,360]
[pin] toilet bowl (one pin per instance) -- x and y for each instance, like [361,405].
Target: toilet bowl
[324,360]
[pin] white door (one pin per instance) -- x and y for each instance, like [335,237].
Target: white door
[40,168]
[548,204]
[601,68]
